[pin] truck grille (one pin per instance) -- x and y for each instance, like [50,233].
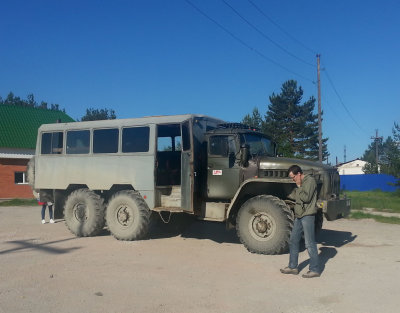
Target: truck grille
[274,173]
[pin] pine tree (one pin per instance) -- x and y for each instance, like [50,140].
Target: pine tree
[282,119]
[389,156]
[293,126]
[255,120]
[99,114]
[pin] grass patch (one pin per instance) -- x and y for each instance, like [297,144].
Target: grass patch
[19,202]
[378,218]
[379,200]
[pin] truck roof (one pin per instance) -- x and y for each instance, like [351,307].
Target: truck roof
[234,128]
[162,119]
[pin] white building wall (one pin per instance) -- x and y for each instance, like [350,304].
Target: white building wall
[352,168]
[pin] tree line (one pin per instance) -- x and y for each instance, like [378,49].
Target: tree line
[289,122]
[388,161]
[91,113]
[30,101]
[294,127]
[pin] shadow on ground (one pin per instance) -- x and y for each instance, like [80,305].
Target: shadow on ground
[188,226]
[326,253]
[31,244]
[335,238]
[330,239]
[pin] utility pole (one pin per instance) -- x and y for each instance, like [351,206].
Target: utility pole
[319,112]
[377,139]
[345,154]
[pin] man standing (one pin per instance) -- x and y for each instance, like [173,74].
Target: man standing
[305,196]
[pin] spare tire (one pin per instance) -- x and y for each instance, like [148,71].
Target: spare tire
[30,172]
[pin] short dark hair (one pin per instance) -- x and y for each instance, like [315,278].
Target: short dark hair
[295,169]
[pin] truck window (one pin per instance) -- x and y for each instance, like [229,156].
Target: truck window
[169,144]
[105,140]
[258,145]
[135,139]
[52,143]
[78,142]
[222,145]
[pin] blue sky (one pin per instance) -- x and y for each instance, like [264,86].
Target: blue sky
[154,57]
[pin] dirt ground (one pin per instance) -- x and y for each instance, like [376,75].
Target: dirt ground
[198,268]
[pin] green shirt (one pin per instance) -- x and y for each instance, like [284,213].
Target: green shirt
[305,197]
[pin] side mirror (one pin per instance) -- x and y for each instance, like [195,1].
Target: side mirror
[244,155]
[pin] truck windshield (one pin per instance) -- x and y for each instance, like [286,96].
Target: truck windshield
[258,145]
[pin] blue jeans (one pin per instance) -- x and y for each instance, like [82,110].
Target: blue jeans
[304,225]
[44,211]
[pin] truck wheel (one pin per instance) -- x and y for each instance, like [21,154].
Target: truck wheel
[264,224]
[128,216]
[84,213]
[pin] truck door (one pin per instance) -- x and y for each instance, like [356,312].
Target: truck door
[187,161]
[223,169]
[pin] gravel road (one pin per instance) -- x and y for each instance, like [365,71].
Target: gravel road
[197,268]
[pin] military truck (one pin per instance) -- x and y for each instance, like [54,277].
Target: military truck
[119,172]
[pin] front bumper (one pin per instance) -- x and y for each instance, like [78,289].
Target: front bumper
[335,208]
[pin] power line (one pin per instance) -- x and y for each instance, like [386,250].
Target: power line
[244,43]
[280,28]
[265,36]
[341,101]
[339,118]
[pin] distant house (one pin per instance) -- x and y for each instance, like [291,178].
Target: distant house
[353,167]
[18,132]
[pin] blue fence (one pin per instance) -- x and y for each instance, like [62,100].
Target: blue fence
[367,182]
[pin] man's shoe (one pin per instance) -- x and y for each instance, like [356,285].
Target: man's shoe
[51,221]
[311,274]
[43,221]
[288,270]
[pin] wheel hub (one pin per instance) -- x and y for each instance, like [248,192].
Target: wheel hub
[124,216]
[261,226]
[80,212]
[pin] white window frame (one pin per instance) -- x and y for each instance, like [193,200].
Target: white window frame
[24,180]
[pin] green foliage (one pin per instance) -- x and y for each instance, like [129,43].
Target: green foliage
[255,120]
[371,168]
[292,125]
[389,156]
[28,102]
[19,202]
[99,114]
[396,131]
[377,200]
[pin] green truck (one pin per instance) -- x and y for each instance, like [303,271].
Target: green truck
[116,173]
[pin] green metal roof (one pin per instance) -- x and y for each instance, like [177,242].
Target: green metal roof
[19,125]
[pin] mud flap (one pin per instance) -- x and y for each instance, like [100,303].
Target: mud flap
[336,208]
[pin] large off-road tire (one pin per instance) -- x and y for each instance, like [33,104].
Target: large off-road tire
[264,224]
[84,213]
[128,216]
[30,172]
